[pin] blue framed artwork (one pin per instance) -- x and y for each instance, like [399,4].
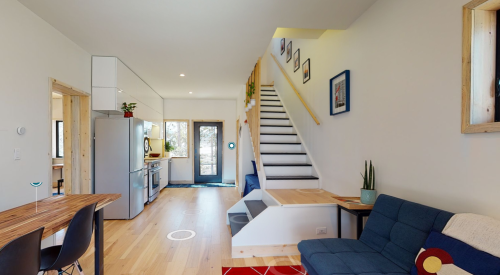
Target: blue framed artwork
[340,93]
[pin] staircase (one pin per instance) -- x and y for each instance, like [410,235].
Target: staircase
[263,224]
[285,161]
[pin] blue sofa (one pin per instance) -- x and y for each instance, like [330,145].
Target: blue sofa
[389,244]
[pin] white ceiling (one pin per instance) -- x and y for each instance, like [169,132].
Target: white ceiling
[215,43]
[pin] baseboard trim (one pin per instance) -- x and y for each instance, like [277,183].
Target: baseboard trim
[181,181]
[264,250]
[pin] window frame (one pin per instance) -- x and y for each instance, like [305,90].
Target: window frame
[188,134]
[470,60]
[58,153]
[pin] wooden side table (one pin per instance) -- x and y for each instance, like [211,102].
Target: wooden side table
[353,206]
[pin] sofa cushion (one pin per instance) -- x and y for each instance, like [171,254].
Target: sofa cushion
[345,256]
[398,229]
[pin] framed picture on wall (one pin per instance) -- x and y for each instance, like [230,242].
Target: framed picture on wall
[340,93]
[306,70]
[296,60]
[282,46]
[289,52]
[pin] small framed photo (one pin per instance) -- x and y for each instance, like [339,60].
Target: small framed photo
[282,46]
[296,60]
[340,93]
[289,52]
[306,70]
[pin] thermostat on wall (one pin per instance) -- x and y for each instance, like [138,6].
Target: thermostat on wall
[21,130]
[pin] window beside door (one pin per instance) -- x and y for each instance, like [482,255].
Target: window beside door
[177,133]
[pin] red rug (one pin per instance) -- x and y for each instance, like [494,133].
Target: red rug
[265,270]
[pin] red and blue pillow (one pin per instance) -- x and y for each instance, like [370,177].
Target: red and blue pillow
[443,255]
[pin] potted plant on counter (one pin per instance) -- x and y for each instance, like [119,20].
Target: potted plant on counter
[368,192]
[128,109]
[168,149]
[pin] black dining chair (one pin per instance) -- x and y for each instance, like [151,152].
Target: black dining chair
[22,255]
[76,241]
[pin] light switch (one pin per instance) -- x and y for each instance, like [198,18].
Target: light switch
[17,153]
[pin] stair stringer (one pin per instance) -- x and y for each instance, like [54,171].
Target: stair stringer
[309,155]
[278,229]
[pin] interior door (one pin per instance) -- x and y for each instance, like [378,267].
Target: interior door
[207,152]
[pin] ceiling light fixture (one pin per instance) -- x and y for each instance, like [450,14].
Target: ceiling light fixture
[120,90]
[183,75]
[190,92]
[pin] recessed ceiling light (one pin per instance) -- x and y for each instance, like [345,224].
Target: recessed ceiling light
[183,75]
[120,90]
[190,92]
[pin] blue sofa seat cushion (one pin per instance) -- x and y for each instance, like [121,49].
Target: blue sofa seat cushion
[345,256]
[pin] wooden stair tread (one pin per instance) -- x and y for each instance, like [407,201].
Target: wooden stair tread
[237,221]
[255,207]
[302,196]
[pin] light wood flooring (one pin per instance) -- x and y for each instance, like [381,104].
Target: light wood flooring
[303,196]
[140,246]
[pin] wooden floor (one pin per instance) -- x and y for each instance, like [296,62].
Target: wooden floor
[302,196]
[140,246]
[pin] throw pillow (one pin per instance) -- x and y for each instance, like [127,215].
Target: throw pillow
[443,255]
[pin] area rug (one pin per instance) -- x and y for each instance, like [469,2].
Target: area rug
[201,185]
[265,270]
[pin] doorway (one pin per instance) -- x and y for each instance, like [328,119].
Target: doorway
[208,152]
[76,142]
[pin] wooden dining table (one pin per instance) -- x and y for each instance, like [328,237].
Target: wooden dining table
[55,213]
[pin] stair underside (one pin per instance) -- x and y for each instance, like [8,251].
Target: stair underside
[237,221]
[277,118]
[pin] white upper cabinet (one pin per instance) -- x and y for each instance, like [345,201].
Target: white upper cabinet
[104,70]
[114,83]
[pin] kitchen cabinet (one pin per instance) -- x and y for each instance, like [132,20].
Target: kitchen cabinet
[164,173]
[114,83]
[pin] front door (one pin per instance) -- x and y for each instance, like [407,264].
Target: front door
[207,152]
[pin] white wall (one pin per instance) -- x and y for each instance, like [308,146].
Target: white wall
[32,51]
[204,109]
[405,61]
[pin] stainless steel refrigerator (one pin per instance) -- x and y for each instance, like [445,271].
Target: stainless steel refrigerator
[119,164]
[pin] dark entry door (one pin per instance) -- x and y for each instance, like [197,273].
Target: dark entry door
[207,152]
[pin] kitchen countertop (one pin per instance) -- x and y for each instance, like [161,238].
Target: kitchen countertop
[150,159]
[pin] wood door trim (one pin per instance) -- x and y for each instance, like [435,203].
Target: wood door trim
[77,140]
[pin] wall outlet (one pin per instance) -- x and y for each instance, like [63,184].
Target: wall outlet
[320,230]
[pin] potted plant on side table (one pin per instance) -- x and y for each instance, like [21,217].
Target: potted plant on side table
[168,149]
[368,192]
[128,109]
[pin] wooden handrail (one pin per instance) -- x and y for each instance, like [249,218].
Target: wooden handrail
[253,116]
[293,87]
